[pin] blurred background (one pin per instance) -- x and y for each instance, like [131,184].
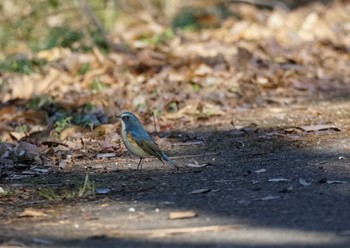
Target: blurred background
[82,61]
[38,25]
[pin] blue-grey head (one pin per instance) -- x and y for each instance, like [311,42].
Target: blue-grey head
[129,121]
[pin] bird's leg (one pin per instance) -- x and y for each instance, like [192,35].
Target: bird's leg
[139,166]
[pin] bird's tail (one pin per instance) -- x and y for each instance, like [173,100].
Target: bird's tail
[166,158]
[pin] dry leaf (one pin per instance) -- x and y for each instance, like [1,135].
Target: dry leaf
[268,198]
[303,182]
[276,180]
[195,164]
[31,212]
[72,131]
[260,171]
[105,155]
[313,128]
[199,191]
[335,182]
[182,215]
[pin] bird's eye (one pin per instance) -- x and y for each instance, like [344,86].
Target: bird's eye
[126,117]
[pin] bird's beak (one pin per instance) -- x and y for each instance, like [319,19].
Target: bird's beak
[118,116]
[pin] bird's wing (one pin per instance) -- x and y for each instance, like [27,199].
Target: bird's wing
[144,141]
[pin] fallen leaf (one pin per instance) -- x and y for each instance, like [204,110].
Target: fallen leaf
[276,180]
[41,170]
[105,155]
[195,164]
[313,128]
[199,191]
[64,163]
[268,198]
[32,212]
[72,131]
[39,136]
[303,182]
[260,171]
[102,191]
[182,215]
[335,182]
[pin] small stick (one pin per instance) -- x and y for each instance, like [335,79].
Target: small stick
[197,155]
[155,124]
[172,231]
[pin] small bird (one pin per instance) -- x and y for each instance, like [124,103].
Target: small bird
[138,141]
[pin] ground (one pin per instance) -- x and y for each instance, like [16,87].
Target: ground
[252,104]
[268,185]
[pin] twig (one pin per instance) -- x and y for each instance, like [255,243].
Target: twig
[116,47]
[173,231]
[191,143]
[265,3]
[82,190]
[155,124]
[197,155]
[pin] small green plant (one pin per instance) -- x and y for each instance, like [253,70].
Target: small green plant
[48,194]
[157,112]
[8,192]
[142,107]
[172,107]
[160,39]
[62,124]
[97,86]
[196,87]
[21,64]
[186,19]
[84,68]
[89,106]
[63,36]
[86,120]
[88,188]
[22,129]
[39,101]
[100,41]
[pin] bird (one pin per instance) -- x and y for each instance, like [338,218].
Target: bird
[138,141]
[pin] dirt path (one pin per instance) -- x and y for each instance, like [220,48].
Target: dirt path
[273,185]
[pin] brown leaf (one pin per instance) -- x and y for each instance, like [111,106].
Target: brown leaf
[103,130]
[31,212]
[72,131]
[7,113]
[71,64]
[182,215]
[39,136]
[15,136]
